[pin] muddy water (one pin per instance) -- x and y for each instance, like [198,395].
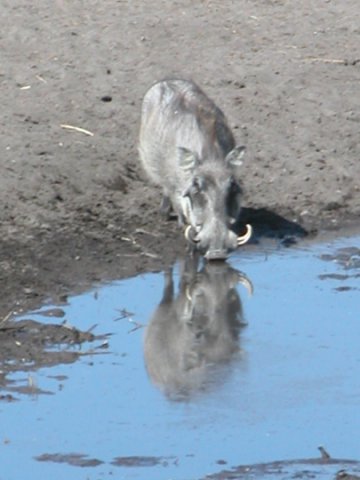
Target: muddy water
[204,369]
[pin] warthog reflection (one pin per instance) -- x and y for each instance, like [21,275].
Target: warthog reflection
[195,331]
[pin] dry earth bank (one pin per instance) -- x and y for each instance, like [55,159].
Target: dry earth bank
[76,207]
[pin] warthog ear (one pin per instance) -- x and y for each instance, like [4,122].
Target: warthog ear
[234,158]
[187,159]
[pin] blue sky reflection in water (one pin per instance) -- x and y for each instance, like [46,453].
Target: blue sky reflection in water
[293,383]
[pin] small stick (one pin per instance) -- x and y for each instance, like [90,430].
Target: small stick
[145,232]
[77,129]
[150,255]
[326,60]
[6,318]
[40,78]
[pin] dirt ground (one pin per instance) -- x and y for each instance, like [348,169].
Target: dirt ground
[76,207]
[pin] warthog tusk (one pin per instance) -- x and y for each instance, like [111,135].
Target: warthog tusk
[188,235]
[245,238]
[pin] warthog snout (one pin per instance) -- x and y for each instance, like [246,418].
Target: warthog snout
[213,252]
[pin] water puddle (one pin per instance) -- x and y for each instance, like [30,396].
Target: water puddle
[198,372]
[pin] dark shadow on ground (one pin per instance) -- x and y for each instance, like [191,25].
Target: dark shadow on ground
[267,224]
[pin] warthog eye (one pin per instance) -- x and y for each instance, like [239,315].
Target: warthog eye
[233,199]
[234,186]
[196,193]
[198,185]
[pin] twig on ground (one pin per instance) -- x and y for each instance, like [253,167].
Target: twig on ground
[130,240]
[142,231]
[150,255]
[339,61]
[77,129]
[40,78]
[136,244]
[7,317]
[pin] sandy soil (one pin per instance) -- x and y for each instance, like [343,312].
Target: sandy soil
[77,209]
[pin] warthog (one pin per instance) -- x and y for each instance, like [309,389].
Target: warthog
[192,333]
[187,148]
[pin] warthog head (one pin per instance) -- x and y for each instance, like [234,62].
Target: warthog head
[211,203]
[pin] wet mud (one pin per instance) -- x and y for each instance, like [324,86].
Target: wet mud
[28,345]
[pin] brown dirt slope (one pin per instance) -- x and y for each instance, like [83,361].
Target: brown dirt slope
[76,207]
